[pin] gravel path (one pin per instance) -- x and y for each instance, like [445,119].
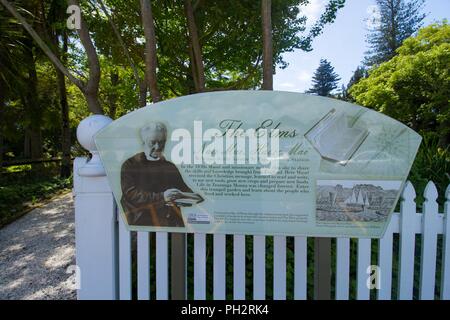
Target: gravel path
[35,252]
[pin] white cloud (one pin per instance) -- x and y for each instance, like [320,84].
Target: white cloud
[304,80]
[287,85]
[304,76]
[312,11]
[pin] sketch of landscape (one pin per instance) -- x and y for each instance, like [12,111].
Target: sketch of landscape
[362,201]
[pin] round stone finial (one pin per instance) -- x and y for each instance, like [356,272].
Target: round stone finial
[87,129]
[85,134]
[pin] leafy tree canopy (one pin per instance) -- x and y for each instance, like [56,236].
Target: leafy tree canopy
[414,86]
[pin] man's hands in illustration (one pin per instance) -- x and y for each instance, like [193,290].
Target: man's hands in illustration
[172,194]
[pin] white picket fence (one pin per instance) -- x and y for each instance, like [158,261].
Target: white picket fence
[104,249]
[104,256]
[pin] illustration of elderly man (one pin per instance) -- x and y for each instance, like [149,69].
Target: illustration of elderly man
[150,184]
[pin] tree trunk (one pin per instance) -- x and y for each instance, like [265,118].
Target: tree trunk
[35,141]
[2,121]
[143,94]
[1,150]
[150,49]
[65,127]
[32,140]
[89,90]
[65,123]
[193,77]
[31,104]
[112,97]
[393,41]
[142,87]
[266,14]
[91,97]
[198,71]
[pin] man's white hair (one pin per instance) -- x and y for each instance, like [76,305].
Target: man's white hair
[152,127]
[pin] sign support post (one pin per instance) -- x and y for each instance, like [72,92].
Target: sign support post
[178,266]
[322,268]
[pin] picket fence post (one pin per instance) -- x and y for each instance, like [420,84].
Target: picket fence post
[445,269]
[95,219]
[407,242]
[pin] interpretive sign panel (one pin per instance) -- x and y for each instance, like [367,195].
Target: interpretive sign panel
[257,162]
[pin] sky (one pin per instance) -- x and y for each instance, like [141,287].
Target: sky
[342,42]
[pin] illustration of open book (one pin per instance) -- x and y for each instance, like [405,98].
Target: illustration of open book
[335,138]
[188,199]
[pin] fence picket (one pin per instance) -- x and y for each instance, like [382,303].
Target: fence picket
[407,242]
[364,250]
[143,265]
[219,267]
[445,279]
[239,267]
[259,267]
[342,268]
[124,261]
[429,242]
[199,266]
[162,266]
[300,267]
[385,264]
[279,268]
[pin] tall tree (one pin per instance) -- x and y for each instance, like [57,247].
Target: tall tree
[195,50]
[12,71]
[398,20]
[266,13]
[90,87]
[359,74]
[58,38]
[150,49]
[414,86]
[30,100]
[104,42]
[325,80]
[229,47]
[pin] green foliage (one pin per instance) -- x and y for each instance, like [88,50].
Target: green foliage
[21,188]
[398,20]
[117,89]
[328,16]
[414,86]
[432,163]
[324,80]
[229,35]
[359,74]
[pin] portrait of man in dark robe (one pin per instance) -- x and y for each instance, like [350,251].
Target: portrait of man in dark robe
[151,184]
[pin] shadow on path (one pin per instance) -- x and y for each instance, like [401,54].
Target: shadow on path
[35,252]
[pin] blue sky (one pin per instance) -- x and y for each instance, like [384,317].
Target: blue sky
[342,43]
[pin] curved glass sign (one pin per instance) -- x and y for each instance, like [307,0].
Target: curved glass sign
[257,162]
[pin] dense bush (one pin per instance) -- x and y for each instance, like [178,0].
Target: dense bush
[432,163]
